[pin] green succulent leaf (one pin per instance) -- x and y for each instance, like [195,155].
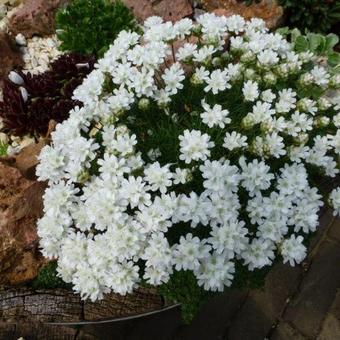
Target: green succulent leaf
[90,26]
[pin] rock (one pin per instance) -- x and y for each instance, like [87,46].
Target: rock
[285,331]
[169,10]
[268,10]
[317,291]
[26,160]
[264,306]
[35,17]
[331,325]
[10,55]
[20,207]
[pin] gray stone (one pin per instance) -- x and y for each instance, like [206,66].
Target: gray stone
[331,325]
[285,331]
[317,291]
[334,231]
[213,318]
[264,306]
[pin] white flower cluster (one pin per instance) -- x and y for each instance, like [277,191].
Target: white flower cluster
[238,188]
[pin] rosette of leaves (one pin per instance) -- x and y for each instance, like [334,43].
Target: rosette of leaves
[90,26]
[320,45]
[28,108]
[315,15]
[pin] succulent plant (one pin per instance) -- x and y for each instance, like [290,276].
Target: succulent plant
[31,101]
[314,15]
[90,26]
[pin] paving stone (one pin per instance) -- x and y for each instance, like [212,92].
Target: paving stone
[334,231]
[213,318]
[284,331]
[331,326]
[264,306]
[326,217]
[317,291]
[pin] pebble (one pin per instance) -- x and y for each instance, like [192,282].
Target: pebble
[39,53]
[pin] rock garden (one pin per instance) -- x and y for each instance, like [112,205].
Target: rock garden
[169,169]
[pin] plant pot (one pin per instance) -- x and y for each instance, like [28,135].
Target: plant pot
[60,314]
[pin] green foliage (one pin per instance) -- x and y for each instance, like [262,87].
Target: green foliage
[90,26]
[318,44]
[183,288]
[48,279]
[3,149]
[250,2]
[315,15]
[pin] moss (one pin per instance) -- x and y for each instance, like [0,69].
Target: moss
[48,279]
[3,149]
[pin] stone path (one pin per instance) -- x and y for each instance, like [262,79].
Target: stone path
[297,303]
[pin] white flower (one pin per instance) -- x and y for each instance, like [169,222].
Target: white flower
[213,116]
[218,81]
[286,101]
[334,198]
[186,51]
[204,53]
[229,239]
[159,178]
[113,215]
[234,140]
[188,252]
[194,146]
[255,176]
[215,273]
[320,75]
[258,254]
[292,250]
[268,58]
[181,176]
[173,77]
[250,90]
[268,96]
[134,191]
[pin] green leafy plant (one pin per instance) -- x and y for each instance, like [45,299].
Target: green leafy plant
[3,149]
[90,26]
[250,2]
[316,15]
[319,44]
[48,279]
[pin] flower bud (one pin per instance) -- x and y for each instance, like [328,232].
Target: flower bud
[195,80]
[301,138]
[321,121]
[334,82]
[247,57]
[247,122]
[270,78]
[324,104]
[306,79]
[144,104]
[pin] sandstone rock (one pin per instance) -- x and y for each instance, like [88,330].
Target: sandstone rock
[20,206]
[9,54]
[268,10]
[169,10]
[35,17]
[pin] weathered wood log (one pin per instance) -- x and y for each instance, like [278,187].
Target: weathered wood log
[25,312]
